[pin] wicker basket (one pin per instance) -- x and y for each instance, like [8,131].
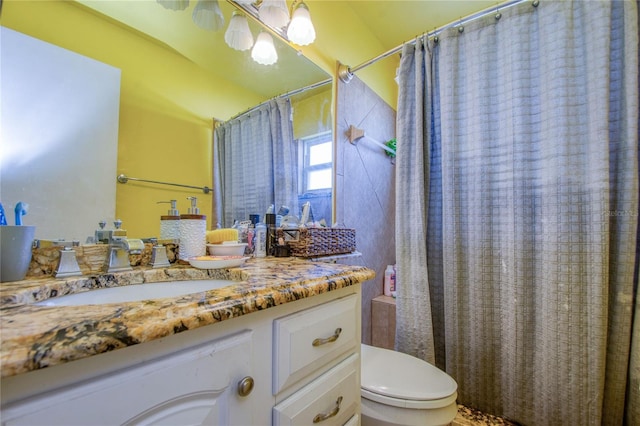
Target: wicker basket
[313,242]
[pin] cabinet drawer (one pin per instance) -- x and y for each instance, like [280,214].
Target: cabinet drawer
[331,399]
[353,421]
[308,340]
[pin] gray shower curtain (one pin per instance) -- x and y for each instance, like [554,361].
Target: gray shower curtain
[517,211]
[256,163]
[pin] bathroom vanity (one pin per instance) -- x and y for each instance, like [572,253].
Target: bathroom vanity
[279,345]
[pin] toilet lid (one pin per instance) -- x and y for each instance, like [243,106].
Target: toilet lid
[400,376]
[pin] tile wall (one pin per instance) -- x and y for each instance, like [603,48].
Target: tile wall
[365,184]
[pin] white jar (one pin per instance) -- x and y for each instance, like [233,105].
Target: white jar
[169,227]
[193,236]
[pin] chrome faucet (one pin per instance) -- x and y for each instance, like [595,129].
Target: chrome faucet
[119,250]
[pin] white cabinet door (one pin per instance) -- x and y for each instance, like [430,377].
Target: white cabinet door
[195,386]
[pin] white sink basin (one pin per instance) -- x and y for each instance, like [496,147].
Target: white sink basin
[136,292]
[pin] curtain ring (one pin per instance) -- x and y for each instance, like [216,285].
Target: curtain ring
[498,15]
[535,3]
[461,29]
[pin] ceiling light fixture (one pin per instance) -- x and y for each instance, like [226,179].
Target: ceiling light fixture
[274,13]
[292,25]
[300,30]
[174,4]
[238,35]
[207,15]
[264,52]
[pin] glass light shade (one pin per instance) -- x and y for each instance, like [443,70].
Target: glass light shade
[174,4]
[300,30]
[264,52]
[274,13]
[207,15]
[238,35]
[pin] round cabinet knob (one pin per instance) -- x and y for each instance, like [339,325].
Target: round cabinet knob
[245,386]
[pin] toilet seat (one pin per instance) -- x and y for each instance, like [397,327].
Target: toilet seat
[401,380]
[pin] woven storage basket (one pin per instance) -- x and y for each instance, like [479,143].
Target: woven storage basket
[322,241]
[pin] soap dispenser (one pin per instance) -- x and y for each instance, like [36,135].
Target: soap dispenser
[170,223]
[193,232]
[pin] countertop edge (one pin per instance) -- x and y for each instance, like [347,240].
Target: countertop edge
[83,332]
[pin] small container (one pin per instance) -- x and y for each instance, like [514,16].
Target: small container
[394,291]
[270,220]
[389,281]
[227,248]
[15,251]
[282,251]
[261,240]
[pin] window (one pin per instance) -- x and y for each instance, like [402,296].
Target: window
[317,162]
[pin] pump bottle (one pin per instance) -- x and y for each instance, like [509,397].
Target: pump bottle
[170,223]
[193,232]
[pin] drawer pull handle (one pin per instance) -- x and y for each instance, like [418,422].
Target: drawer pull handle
[245,386]
[336,334]
[322,417]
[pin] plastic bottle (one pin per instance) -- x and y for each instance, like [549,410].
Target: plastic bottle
[394,286]
[389,280]
[261,240]
[270,219]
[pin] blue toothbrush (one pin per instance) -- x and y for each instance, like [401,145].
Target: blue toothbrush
[3,218]
[21,210]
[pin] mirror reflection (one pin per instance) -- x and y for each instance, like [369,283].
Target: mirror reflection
[279,156]
[169,92]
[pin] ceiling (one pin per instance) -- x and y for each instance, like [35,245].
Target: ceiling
[377,25]
[394,22]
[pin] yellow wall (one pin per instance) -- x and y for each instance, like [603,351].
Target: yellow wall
[167,103]
[312,115]
[166,106]
[342,36]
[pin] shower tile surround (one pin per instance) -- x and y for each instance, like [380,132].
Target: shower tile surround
[35,337]
[365,185]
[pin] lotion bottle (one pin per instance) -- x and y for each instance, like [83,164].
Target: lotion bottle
[389,281]
[261,240]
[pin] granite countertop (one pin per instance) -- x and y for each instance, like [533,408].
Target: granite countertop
[34,337]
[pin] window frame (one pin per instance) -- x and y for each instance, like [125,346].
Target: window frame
[307,143]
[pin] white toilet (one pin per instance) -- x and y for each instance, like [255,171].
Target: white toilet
[399,389]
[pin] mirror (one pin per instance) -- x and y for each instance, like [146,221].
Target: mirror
[279,155]
[175,79]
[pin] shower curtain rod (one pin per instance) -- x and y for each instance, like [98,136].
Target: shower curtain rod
[346,73]
[290,93]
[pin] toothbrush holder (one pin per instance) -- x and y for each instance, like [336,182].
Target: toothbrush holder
[15,251]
